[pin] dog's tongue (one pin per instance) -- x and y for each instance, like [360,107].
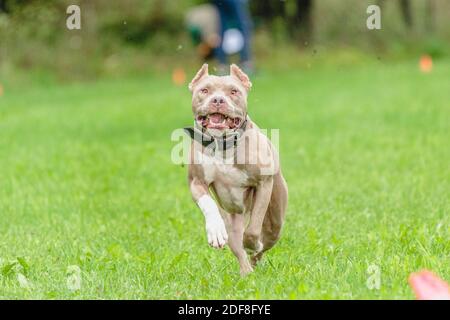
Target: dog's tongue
[216,117]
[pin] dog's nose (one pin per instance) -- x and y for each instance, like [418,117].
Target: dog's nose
[218,100]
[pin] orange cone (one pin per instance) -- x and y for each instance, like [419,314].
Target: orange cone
[426,63]
[179,76]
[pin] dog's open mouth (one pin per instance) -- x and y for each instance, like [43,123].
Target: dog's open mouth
[218,121]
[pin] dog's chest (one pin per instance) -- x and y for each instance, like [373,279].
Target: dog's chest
[229,183]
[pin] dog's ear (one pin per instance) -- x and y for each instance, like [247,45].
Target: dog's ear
[203,72]
[235,71]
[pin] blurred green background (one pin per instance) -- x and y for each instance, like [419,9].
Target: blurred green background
[135,36]
[87,183]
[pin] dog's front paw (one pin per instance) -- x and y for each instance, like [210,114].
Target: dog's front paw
[246,269]
[216,233]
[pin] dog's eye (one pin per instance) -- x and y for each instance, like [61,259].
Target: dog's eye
[204,90]
[234,92]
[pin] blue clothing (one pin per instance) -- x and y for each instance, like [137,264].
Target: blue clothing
[235,14]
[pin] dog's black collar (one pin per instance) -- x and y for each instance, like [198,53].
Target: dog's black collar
[226,142]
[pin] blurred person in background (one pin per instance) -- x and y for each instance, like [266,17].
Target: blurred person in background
[221,29]
[203,23]
[235,33]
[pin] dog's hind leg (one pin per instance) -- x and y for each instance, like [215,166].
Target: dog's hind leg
[261,200]
[269,236]
[274,218]
[236,225]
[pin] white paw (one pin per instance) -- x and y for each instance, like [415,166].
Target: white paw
[216,232]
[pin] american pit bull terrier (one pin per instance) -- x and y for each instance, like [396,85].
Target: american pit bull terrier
[232,160]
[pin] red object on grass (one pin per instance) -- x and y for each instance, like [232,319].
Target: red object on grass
[427,286]
[426,63]
[179,76]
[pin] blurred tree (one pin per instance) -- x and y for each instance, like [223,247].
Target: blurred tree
[405,7]
[7,6]
[430,15]
[297,17]
[267,10]
[405,10]
[303,22]
[3,6]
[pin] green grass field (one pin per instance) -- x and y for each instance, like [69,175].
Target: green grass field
[86,179]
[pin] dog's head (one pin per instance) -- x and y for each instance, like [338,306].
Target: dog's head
[219,104]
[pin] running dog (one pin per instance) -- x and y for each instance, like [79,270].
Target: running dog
[234,170]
